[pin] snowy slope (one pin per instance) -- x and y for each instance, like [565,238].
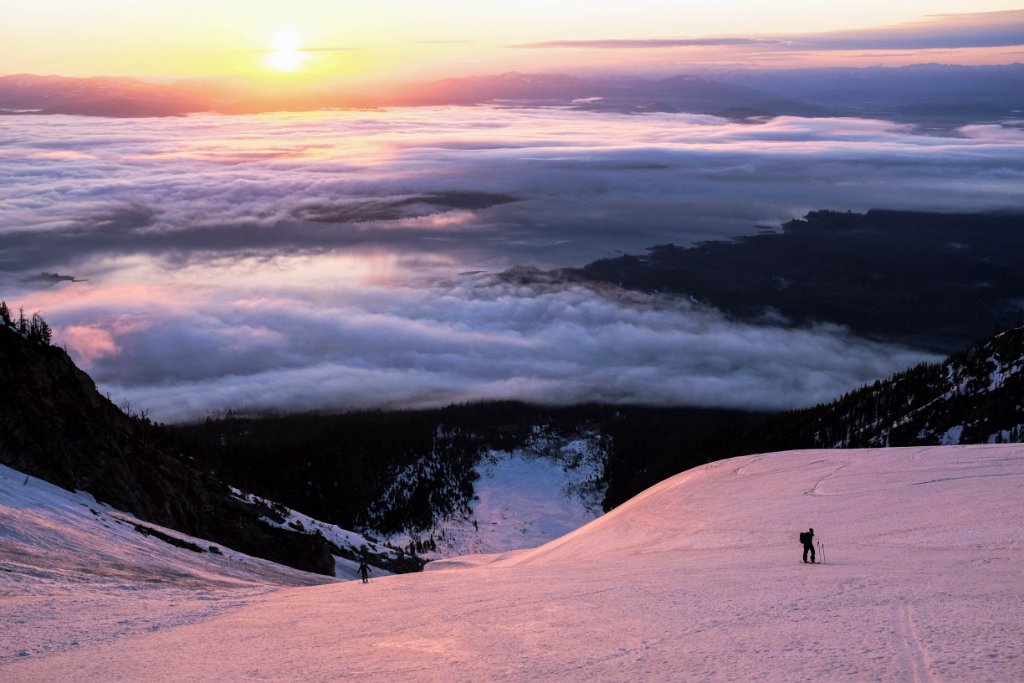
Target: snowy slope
[523,497]
[350,543]
[698,578]
[972,397]
[75,573]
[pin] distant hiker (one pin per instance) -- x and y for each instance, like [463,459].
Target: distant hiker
[807,538]
[364,571]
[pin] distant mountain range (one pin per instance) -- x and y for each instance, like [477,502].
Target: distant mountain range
[618,95]
[114,97]
[940,94]
[919,92]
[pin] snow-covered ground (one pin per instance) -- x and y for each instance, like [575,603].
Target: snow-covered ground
[698,578]
[75,573]
[358,544]
[525,497]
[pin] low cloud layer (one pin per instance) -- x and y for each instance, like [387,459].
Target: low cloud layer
[307,261]
[478,337]
[547,187]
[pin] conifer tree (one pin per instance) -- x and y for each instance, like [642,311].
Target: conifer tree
[5,314]
[39,331]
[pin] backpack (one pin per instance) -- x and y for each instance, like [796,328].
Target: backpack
[803,537]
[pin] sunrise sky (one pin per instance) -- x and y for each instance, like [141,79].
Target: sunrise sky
[402,38]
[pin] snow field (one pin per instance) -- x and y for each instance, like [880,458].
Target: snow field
[698,578]
[75,573]
[524,498]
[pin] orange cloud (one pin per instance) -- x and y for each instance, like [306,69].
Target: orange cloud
[89,344]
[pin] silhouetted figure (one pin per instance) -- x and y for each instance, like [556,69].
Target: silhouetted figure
[364,571]
[807,538]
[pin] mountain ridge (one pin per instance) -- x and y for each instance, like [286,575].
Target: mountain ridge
[929,95]
[975,396]
[55,425]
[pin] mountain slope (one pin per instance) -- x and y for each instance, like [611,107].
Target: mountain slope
[699,578]
[975,396]
[129,576]
[55,425]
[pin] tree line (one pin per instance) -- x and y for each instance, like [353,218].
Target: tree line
[34,329]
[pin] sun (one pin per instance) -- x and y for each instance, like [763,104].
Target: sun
[287,54]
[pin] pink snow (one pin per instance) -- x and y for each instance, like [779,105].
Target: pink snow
[698,578]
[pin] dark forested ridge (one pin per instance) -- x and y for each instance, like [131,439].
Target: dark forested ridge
[56,426]
[339,467]
[935,281]
[975,396]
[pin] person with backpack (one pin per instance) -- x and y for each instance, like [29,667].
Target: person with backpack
[807,538]
[364,571]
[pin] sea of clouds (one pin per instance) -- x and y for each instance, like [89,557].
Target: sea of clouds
[356,259]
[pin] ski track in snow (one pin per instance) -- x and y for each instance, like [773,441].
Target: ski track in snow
[917,659]
[698,578]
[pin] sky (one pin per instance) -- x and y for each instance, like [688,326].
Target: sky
[410,38]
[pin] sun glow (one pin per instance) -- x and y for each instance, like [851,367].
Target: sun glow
[287,54]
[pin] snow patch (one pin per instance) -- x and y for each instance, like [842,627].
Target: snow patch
[524,497]
[951,437]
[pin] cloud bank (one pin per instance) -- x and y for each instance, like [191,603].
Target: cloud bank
[644,43]
[946,32]
[308,261]
[476,337]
